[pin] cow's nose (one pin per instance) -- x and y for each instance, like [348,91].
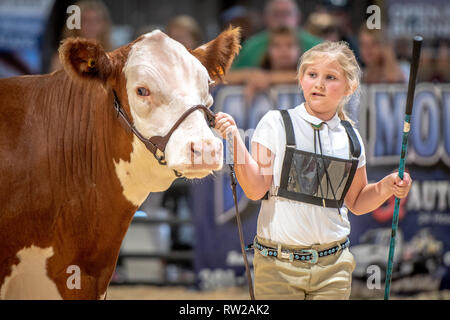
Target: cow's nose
[205,153]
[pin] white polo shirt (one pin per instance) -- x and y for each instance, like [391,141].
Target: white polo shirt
[293,222]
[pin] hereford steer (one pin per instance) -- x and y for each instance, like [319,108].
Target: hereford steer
[72,172]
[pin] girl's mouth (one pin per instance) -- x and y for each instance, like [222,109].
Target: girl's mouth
[316,94]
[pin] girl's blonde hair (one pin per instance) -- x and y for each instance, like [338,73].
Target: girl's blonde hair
[340,52]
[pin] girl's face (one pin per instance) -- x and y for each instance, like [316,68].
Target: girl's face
[324,85]
[284,52]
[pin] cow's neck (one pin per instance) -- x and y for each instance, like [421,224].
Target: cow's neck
[107,174]
[99,151]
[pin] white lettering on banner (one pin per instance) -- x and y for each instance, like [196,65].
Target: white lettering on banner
[430,18]
[427,143]
[429,195]
[235,258]
[213,279]
[417,283]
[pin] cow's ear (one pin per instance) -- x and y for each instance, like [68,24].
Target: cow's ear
[218,54]
[85,59]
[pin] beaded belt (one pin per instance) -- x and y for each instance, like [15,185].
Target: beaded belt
[306,255]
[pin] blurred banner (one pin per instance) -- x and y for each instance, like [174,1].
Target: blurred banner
[422,260]
[430,18]
[22,24]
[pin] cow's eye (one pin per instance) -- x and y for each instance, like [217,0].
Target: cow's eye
[141,91]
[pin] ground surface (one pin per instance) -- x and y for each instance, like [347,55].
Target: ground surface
[234,293]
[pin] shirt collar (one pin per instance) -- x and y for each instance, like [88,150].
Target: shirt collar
[332,123]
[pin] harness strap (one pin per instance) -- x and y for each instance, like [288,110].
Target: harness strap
[290,137]
[355,146]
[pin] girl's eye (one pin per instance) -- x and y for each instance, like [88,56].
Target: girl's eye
[312,74]
[330,77]
[141,91]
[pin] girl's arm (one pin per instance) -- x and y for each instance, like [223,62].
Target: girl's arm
[254,172]
[363,197]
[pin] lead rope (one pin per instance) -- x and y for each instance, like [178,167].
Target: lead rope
[238,217]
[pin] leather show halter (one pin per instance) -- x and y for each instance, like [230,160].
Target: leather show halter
[156,143]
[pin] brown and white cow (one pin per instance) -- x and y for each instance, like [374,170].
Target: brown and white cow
[71,176]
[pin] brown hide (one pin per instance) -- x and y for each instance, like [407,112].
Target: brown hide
[58,185]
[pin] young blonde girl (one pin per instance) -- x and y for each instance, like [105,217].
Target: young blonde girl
[301,248]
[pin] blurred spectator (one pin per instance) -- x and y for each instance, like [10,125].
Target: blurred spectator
[443,62]
[240,16]
[380,64]
[434,62]
[278,64]
[185,30]
[323,25]
[277,13]
[342,19]
[426,71]
[283,51]
[95,24]
[402,49]
[333,22]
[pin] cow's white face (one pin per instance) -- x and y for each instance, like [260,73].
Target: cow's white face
[163,81]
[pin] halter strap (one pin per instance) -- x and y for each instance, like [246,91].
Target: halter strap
[156,143]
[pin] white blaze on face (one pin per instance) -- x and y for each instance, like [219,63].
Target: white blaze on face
[29,279]
[134,174]
[176,81]
[175,78]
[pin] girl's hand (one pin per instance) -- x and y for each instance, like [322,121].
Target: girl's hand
[225,124]
[397,186]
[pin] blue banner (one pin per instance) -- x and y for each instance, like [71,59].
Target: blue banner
[423,244]
[22,26]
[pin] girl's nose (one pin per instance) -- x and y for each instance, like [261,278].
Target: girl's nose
[320,84]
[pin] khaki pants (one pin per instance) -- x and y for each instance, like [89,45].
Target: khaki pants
[329,279]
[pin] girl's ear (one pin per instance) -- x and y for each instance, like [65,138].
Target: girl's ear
[300,80]
[351,88]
